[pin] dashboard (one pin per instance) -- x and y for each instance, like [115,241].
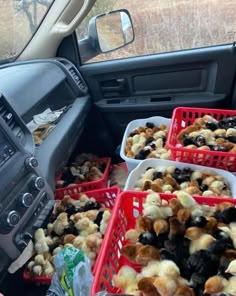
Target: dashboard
[28,171]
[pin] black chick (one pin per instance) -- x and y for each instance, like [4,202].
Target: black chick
[229,215]
[70,210]
[67,177]
[224,263]
[149,140]
[217,247]
[98,218]
[166,255]
[143,153]
[203,262]
[150,125]
[225,237]
[71,229]
[147,238]
[91,205]
[199,221]
[157,175]
[197,282]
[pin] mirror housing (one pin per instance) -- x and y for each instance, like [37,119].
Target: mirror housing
[110,31]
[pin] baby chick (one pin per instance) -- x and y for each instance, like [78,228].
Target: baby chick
[232,268]
[165,286]
[132,235]
[215,284]
[147,253]
[143,224]
[160,226]
[184,291]
[40,242]
[60,223]
[126,279]
[168,268]
[145,285]
[105,218]
[130,252]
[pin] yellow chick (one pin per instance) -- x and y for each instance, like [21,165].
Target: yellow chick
[40,242]
[168,268]
[105,219]
[152,199]
[126,280]
[48,268]
[232,268]
[165,286]
[60,223]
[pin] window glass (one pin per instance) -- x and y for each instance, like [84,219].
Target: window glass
[169,25]
[19,19]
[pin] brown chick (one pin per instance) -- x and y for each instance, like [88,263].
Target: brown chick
[188,130]
[193,190]
[160,226]
[69,239]
[193,232]
[175,205]
[176,228]
[130,252]
[230,254]
[184,291]
[211,225]
[147,288]
[184,215]
[94,174]
[165,286]
[147,253]
[214,284]
[143,224]
[168,179]
[146,185]
[224,205]
[155,186]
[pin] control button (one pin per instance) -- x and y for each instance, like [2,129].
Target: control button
[38,183]
[27,236]
[26,199]
[31,162]
[22,244]
[13,218]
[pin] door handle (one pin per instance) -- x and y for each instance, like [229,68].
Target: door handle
[113,85]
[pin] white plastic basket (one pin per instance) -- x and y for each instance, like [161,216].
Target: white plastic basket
[135,175]
[157,120]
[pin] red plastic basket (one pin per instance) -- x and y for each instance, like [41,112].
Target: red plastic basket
[87,186]
[183,117]
[128,206]
[106,197]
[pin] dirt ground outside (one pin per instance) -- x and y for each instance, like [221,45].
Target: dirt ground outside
[169,25]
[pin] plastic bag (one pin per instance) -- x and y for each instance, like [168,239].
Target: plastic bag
[73,275]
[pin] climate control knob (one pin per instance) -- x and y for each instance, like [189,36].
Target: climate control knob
[26,199]
[12,219]
[38,183]
[31,163]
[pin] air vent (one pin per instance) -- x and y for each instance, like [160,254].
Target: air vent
[9,118]
[81,84]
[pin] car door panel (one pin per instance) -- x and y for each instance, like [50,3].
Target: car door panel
[143,86]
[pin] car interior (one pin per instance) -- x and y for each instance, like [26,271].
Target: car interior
[96,102]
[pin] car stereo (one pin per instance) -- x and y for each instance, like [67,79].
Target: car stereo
[25,197]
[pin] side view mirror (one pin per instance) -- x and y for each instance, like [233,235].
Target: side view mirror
[110,31]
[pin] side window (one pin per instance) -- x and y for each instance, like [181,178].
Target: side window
[164,26]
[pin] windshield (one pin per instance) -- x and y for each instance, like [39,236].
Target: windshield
[19,19]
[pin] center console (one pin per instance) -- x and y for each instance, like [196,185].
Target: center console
[25,197]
